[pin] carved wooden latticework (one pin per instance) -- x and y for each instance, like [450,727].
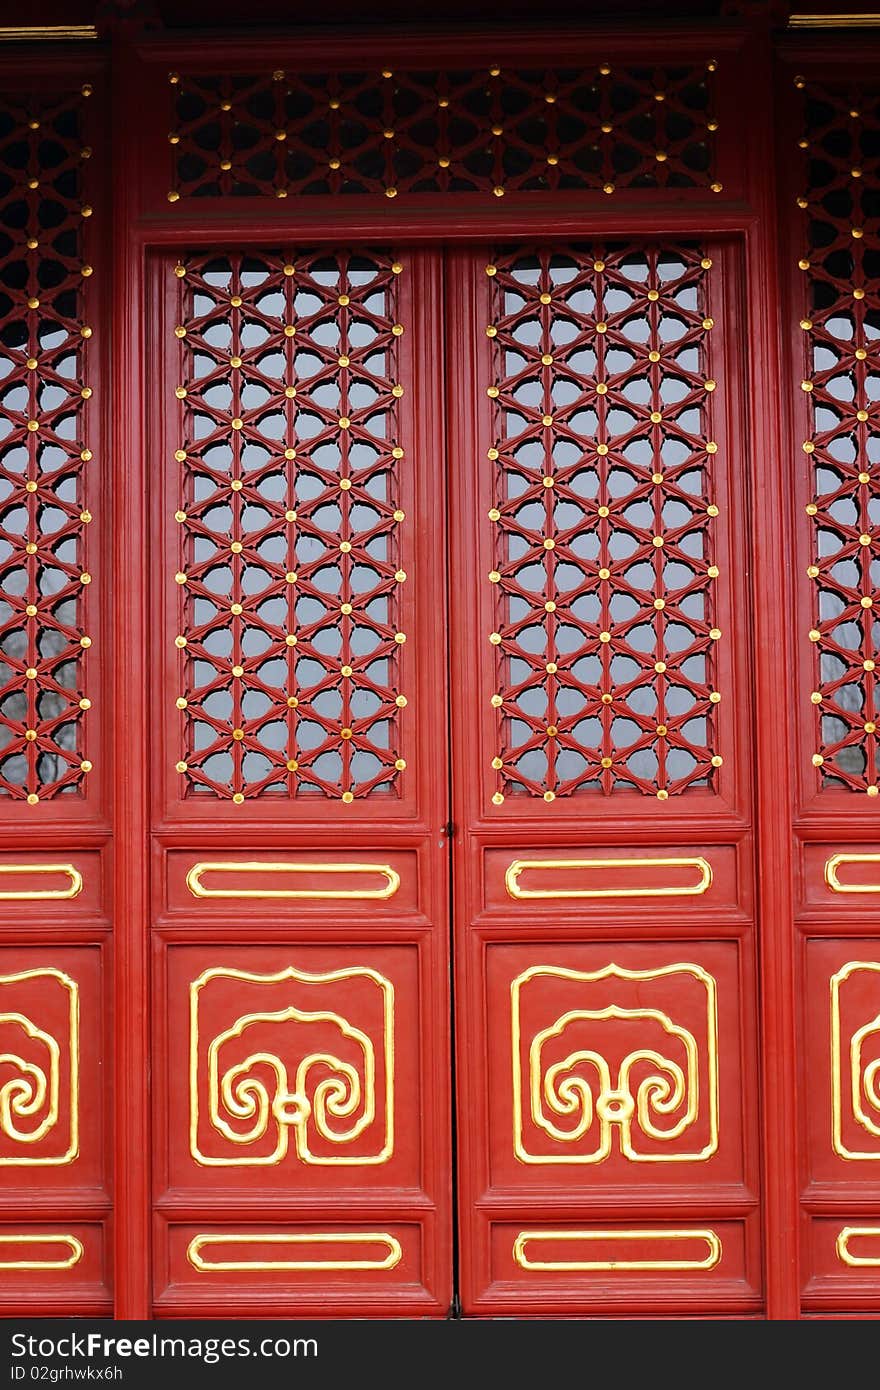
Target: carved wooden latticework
[289,515]
[489,131]
[45,348]
[604,507]
[841,261]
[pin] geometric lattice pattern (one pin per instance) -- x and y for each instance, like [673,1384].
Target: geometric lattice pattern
[289,571]
[841,258]
[44,454]
[487,131]
[603,518]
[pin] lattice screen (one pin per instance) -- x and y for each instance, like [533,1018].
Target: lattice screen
[289,517]
[841,327]
[604,516]
[45,353]
[485,132]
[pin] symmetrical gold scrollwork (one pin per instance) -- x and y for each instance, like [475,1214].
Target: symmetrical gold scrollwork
[845,1255]
[519,866]
[31,1097]
[863,1077]
[69,871]
[331,870]
[651,1087]
[710,1238]
[73,1246]
[832,878]
[344,1102]
[328,1238]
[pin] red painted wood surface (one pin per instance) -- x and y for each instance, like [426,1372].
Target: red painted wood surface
[717,982]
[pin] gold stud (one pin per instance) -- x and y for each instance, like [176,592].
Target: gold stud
[32,799]
[348,797]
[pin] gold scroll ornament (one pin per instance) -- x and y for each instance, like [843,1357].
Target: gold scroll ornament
[572,1095]
[855,1072]
[31,1071]
[330,1082]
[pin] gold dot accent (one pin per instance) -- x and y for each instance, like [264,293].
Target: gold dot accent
[872,791]
[236,547]
[607,698]
[708,323]
[715,633]
[864,539]
[491,270]
[496,701]
[604,573]
[602,449]
[30,487]
[289,330]
[290,640]
[811,509]
[400,764]
[653,295]
[661,729]
[31,610]
[400,638]
[662,795]
[236,423]
[552,731]
[495,638]
[30,673]
[550,606]
[238,671]
[659,604]
[549,543]
[30,735]
[292,702]
[400,576]
[817,760]
[866,601]
[497,764]
[345,609]
[858,294]
[180,455]
[655,417]
[30,548]
[31,364]
[712,510]
[604,511]
[180,577]
[181,767]
[814,634]
[345,547]
[868,665]
[32,799]
[497,799]
[653,355]
[717,760]
[709,385]
[598,266]
[659,667]
[346,734]
[658,542]
[400,701]
[181,703]
[547,420]
[711,447]
[344,422]
[604,636]
[549,796]
[601,389]
[864,477]
[606,763]
[399,515]
[238,798]
[713,571]
[348,797]
[601,327]
[870,727]
[714,698]
[551,668]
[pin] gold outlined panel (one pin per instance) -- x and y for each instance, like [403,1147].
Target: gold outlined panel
[612,1060]
[615,872]
[19,1251]
[345,1250]
[626,1238]
[39,1068]
[838,861]
[276,1053]
[69,872]
[335,880]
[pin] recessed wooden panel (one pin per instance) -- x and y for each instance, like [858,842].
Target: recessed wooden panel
[344,883]
[53,1266]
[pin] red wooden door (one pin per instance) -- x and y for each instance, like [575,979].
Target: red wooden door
[601,638]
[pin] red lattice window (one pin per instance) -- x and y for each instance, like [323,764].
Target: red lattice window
[488,132]
[289,561]
[603,519]
[841,258]
[45,349]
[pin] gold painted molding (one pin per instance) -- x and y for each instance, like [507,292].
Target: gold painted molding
[711,1239]
[833,21]
[198,890]
[511,878]
[26,1092]
[858,1075]
[198,1244]
[41,894]
[73,1245]
[841,1245]
[45,33]
[834,883]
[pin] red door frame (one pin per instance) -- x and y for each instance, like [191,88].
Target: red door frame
[745,214]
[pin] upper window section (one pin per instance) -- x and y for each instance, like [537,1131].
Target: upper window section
[840,255]
[46,352]
[604,518]
[289,515]
[489,131]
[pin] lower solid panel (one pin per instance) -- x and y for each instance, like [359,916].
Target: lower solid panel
[679,1266]
[302,1267]
[53,1267]
[844,1262]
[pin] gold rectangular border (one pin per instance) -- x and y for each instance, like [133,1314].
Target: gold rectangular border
[41,894]
[198,1243]
[73,1035]
[712,1239]
[195,886]
[841,1246]
[511,878]
[74,1246]
[837,980]
[834,883]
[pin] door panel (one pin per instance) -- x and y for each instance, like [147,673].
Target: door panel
[301,909]
[605,945]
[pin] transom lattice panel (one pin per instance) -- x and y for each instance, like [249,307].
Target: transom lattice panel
[841,258]
[603,515]
[289,516]
[489,131]
[44,455]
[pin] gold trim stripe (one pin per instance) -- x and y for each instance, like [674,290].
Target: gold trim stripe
[519,866]
[833,881]
[74,1246]
[711,1239]
[198,1243]
[841,1245]
[33,894]
[43,33]
[833,21]
[198,890]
